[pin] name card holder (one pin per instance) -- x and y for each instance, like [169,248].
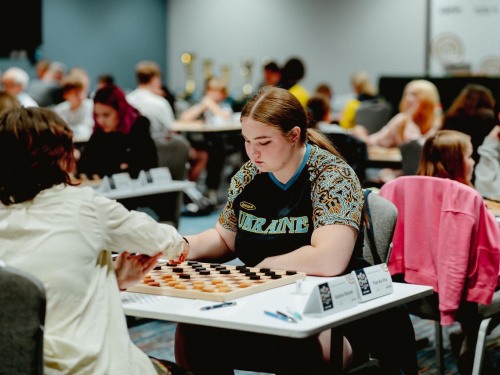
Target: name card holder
[372,282]
[331,297]
[157,176]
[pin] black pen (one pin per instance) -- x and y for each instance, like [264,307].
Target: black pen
[217,306]
[288,317]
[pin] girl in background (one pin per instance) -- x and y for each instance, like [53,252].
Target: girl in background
[121,140]
[417,117]
[448,154]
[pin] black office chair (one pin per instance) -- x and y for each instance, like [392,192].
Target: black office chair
[353,150]
[410,157]
[173,152]
[22,318]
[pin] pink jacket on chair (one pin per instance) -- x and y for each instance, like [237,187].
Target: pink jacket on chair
[446,238]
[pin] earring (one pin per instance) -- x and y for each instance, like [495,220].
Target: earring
[293,144]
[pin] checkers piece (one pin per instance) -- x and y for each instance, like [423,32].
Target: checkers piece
[289,273]
[157,268]
[264,270]
[210,284]
[275,277]
[239,267]
[214,265]
[191,262]
[270,273]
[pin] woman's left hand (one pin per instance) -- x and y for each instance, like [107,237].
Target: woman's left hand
[130,268]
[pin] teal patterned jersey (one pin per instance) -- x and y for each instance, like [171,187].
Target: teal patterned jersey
[271,218]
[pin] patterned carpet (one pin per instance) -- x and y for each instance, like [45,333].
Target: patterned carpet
[156,338]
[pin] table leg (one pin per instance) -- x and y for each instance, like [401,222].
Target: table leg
[336,350]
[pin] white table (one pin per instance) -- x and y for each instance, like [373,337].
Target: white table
[201,127]
[248,314]
[143,190]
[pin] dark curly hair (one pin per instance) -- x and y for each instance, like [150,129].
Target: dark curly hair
[36,151]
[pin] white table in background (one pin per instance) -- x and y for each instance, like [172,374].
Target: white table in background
[248,314]
[144,190]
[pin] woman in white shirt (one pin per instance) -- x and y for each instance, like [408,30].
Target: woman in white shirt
[63,235]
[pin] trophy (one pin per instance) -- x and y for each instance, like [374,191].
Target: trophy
[226,73]
[246,73]
[207,71]
[188,59]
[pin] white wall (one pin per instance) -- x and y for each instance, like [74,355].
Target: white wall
[333,37]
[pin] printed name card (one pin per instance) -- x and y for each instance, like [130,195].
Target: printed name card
[119,181]
[372,282]
[333,296]
[160,176]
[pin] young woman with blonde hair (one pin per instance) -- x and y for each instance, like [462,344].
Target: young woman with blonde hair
[416,118]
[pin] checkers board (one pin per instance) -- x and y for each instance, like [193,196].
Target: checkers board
[212,282]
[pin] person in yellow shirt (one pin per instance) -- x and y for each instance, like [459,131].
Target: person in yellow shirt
[364,90]
[291,74]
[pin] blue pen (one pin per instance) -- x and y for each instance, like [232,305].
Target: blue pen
[217,306]
[280,317]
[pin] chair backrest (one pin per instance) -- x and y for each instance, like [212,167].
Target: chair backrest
[173,152]
[410,156]
[383,217]
[353,150]
[373,114]
[22,318]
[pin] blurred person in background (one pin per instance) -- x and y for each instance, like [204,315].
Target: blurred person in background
[47,91]
[148,98]
[417,118]
[472,113]
[121,141]
[15,81]
[291,74]
[77,109]
[365,90]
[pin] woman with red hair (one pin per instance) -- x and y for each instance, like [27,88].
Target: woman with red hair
[121,141]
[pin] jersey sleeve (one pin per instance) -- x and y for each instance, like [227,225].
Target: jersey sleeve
[336,196]
[228,219]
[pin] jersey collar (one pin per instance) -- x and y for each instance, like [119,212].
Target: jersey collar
[296,174]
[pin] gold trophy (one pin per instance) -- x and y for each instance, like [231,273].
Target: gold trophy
[226,73]
[246,73]
[188,60]
[207,71]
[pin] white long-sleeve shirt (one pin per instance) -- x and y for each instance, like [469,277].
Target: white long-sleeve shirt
[64,237]
[487,171]
[154,107]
